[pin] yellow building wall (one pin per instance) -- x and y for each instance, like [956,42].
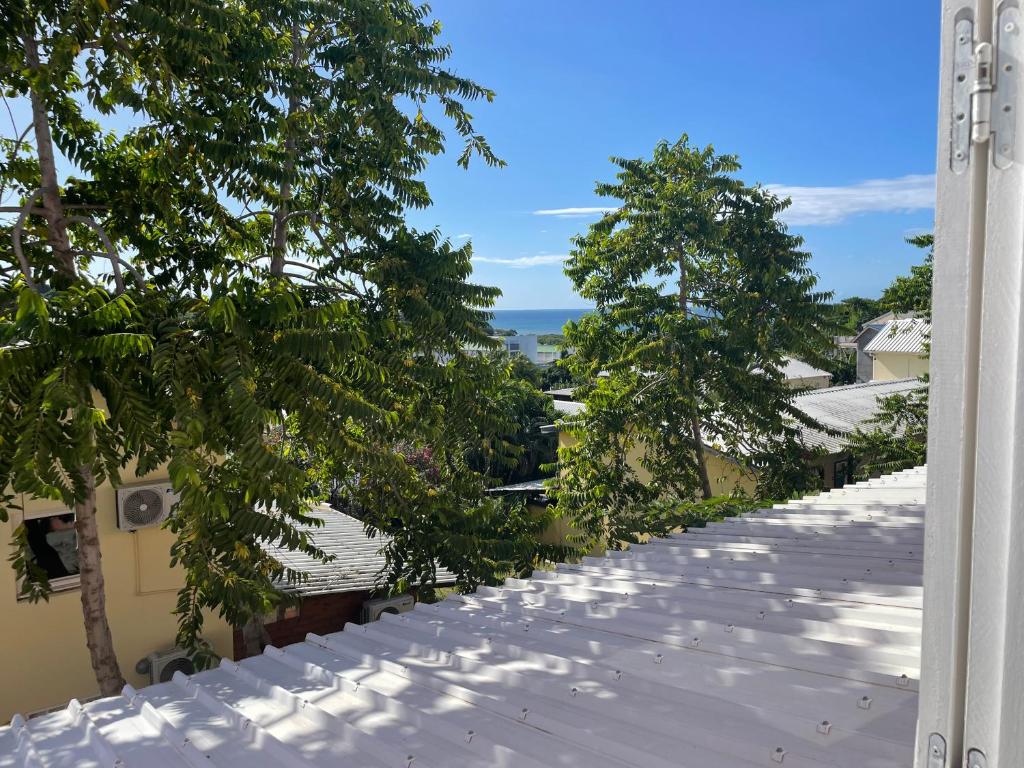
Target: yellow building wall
[725,474]
[45,662]
[888,366]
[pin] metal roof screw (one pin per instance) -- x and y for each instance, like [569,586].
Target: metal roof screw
[523,713]
[824,727]
[526,628]
[903,680]
[695,643]
[729,627]
[469,736]
[574,691]
[865,702]
[760,616]
[658,658]
[618,674]
[409,760]
[779,755]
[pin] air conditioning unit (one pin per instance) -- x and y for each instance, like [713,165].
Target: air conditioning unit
[372,609]
[161,665]
[144,506]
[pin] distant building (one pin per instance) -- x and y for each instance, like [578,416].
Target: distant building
[839,410]
[900,349]
[868,331]
[800,375]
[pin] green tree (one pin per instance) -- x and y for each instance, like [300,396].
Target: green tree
[897,437]
[700,292]
[913,293]
[234,260]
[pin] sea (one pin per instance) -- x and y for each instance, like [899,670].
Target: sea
[526,321]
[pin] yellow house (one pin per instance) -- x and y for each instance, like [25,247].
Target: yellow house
[900,350]
[45,659]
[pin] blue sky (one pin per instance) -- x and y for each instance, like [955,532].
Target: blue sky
[834,101]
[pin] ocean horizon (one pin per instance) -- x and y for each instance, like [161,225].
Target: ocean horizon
[528,321]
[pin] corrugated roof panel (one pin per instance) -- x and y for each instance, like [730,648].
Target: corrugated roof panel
[841,410]
[910,334]
[358,558]
[790,635]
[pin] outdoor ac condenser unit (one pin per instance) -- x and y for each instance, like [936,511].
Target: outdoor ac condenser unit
[372,609]
[163,664]
[144,506]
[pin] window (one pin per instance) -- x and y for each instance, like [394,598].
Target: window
[841,473]
[54,545]
[513,346]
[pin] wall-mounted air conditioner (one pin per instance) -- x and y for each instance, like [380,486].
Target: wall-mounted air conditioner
[372,609]
[161,665]
[144,506]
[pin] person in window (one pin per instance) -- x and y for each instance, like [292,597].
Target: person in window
[54,544]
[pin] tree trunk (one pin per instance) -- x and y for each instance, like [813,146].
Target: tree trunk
[694,422]
[280,244]
[702,464]
[94,602]
[254,637]
[57,228]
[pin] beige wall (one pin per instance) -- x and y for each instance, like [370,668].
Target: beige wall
[809,382]
[45,661]
[888,366]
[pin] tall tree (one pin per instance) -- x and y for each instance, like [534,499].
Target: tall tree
[234,259]
[700,292]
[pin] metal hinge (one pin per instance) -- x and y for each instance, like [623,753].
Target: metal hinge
[985,90]
[936,751]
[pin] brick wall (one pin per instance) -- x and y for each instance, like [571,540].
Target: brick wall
[320,614]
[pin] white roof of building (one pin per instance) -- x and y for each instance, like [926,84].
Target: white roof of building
[910,334]
[569,407]
[358,559]
[798,369]
[788,636]
[843,409]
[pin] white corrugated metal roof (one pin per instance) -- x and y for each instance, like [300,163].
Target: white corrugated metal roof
[798,369]
[909,334]
[358,559]
[791,636]
[843,409]
[568,407]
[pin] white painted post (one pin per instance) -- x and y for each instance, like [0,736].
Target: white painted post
[959,235]
[972,705]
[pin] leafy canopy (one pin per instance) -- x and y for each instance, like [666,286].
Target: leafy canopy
[700,293]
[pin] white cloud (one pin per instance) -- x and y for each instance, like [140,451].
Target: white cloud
[523,262]
[574,213]
[463,236]
[834,205]
[825,205]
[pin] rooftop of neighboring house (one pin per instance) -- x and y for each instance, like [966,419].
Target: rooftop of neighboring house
[797,369]
[358,558]
[909,334]
[842,409]
[790,635]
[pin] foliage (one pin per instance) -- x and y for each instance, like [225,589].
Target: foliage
[913,293]
[555,339]
[896,438]
[258,272]
[700,292]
